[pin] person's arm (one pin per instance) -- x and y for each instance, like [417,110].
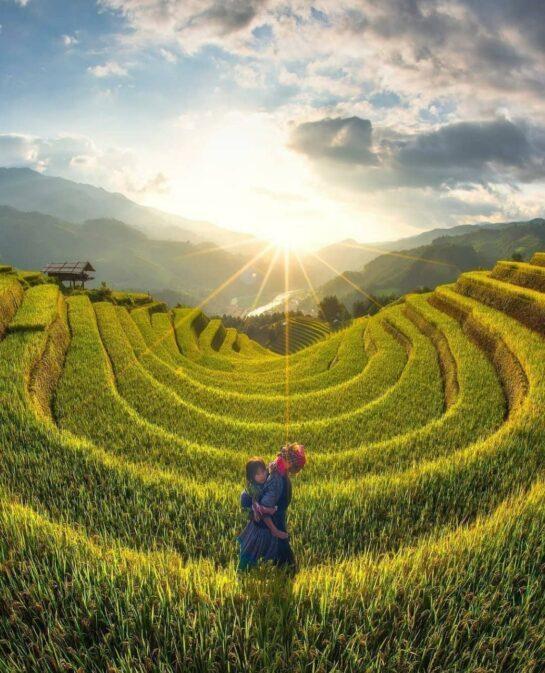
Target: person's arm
[260,510]
[272,492]
[245,500]
[250,505]
[274,530]
[271,495]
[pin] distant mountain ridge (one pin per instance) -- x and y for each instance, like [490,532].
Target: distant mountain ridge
[351,255]
[124,256]
[28,190]
[427,237]
[441,261]
[43,205]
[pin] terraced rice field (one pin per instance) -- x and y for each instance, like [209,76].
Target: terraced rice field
[418,523]
[299,332]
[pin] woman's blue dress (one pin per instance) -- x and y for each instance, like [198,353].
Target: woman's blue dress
[257,543]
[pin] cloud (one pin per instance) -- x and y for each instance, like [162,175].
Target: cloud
[455,172]
[109,69]
[426,208]
[464,153]
[158,184]
[526,17]
[465,150]
[77,157]
[169,56]
[248,76]
[229,17]
[56,154]
[85,161]
[18,150]
[193,22]
[336,52]
[69,40]
[344,140]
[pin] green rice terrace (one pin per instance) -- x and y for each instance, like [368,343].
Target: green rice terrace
[418,523]
[298,332]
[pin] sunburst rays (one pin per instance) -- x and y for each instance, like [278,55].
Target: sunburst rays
[308,281]
[287,410]
[265,280]
[347,280]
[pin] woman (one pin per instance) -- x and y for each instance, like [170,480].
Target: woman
[257,542]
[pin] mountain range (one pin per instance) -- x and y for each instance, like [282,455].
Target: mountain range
[45,218]
[441,261]
[28,190]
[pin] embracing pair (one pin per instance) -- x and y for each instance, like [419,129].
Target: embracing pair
[266,498]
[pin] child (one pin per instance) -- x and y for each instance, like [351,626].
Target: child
[256,480]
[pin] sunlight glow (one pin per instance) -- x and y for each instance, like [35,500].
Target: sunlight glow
[308,281]
[284,238]
[265,279]
[215,248]
[287,411]
[235,169]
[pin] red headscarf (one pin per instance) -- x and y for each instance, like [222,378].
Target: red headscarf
[290,456]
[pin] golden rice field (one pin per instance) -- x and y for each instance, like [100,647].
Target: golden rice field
[418,523]
[298,332]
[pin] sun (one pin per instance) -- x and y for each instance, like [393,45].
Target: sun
[283,239]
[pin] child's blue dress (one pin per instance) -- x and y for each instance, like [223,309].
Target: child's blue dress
[257,543]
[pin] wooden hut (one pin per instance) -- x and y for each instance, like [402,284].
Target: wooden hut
[73,273]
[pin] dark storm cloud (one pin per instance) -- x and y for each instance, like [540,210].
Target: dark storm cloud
[435,22]
[498,53]
[467,144]
[525,16]
[345,140]
[460,154]
[411,17]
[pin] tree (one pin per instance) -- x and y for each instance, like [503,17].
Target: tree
[332,310]
[516,257]
[360,308]
[102,293]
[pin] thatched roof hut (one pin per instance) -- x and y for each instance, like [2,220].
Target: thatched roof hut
[71,272]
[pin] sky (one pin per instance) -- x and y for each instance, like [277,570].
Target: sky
[302,122]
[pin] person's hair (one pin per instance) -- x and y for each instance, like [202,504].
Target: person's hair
[252,466]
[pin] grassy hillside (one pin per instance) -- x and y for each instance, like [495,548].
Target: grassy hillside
[417,523]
